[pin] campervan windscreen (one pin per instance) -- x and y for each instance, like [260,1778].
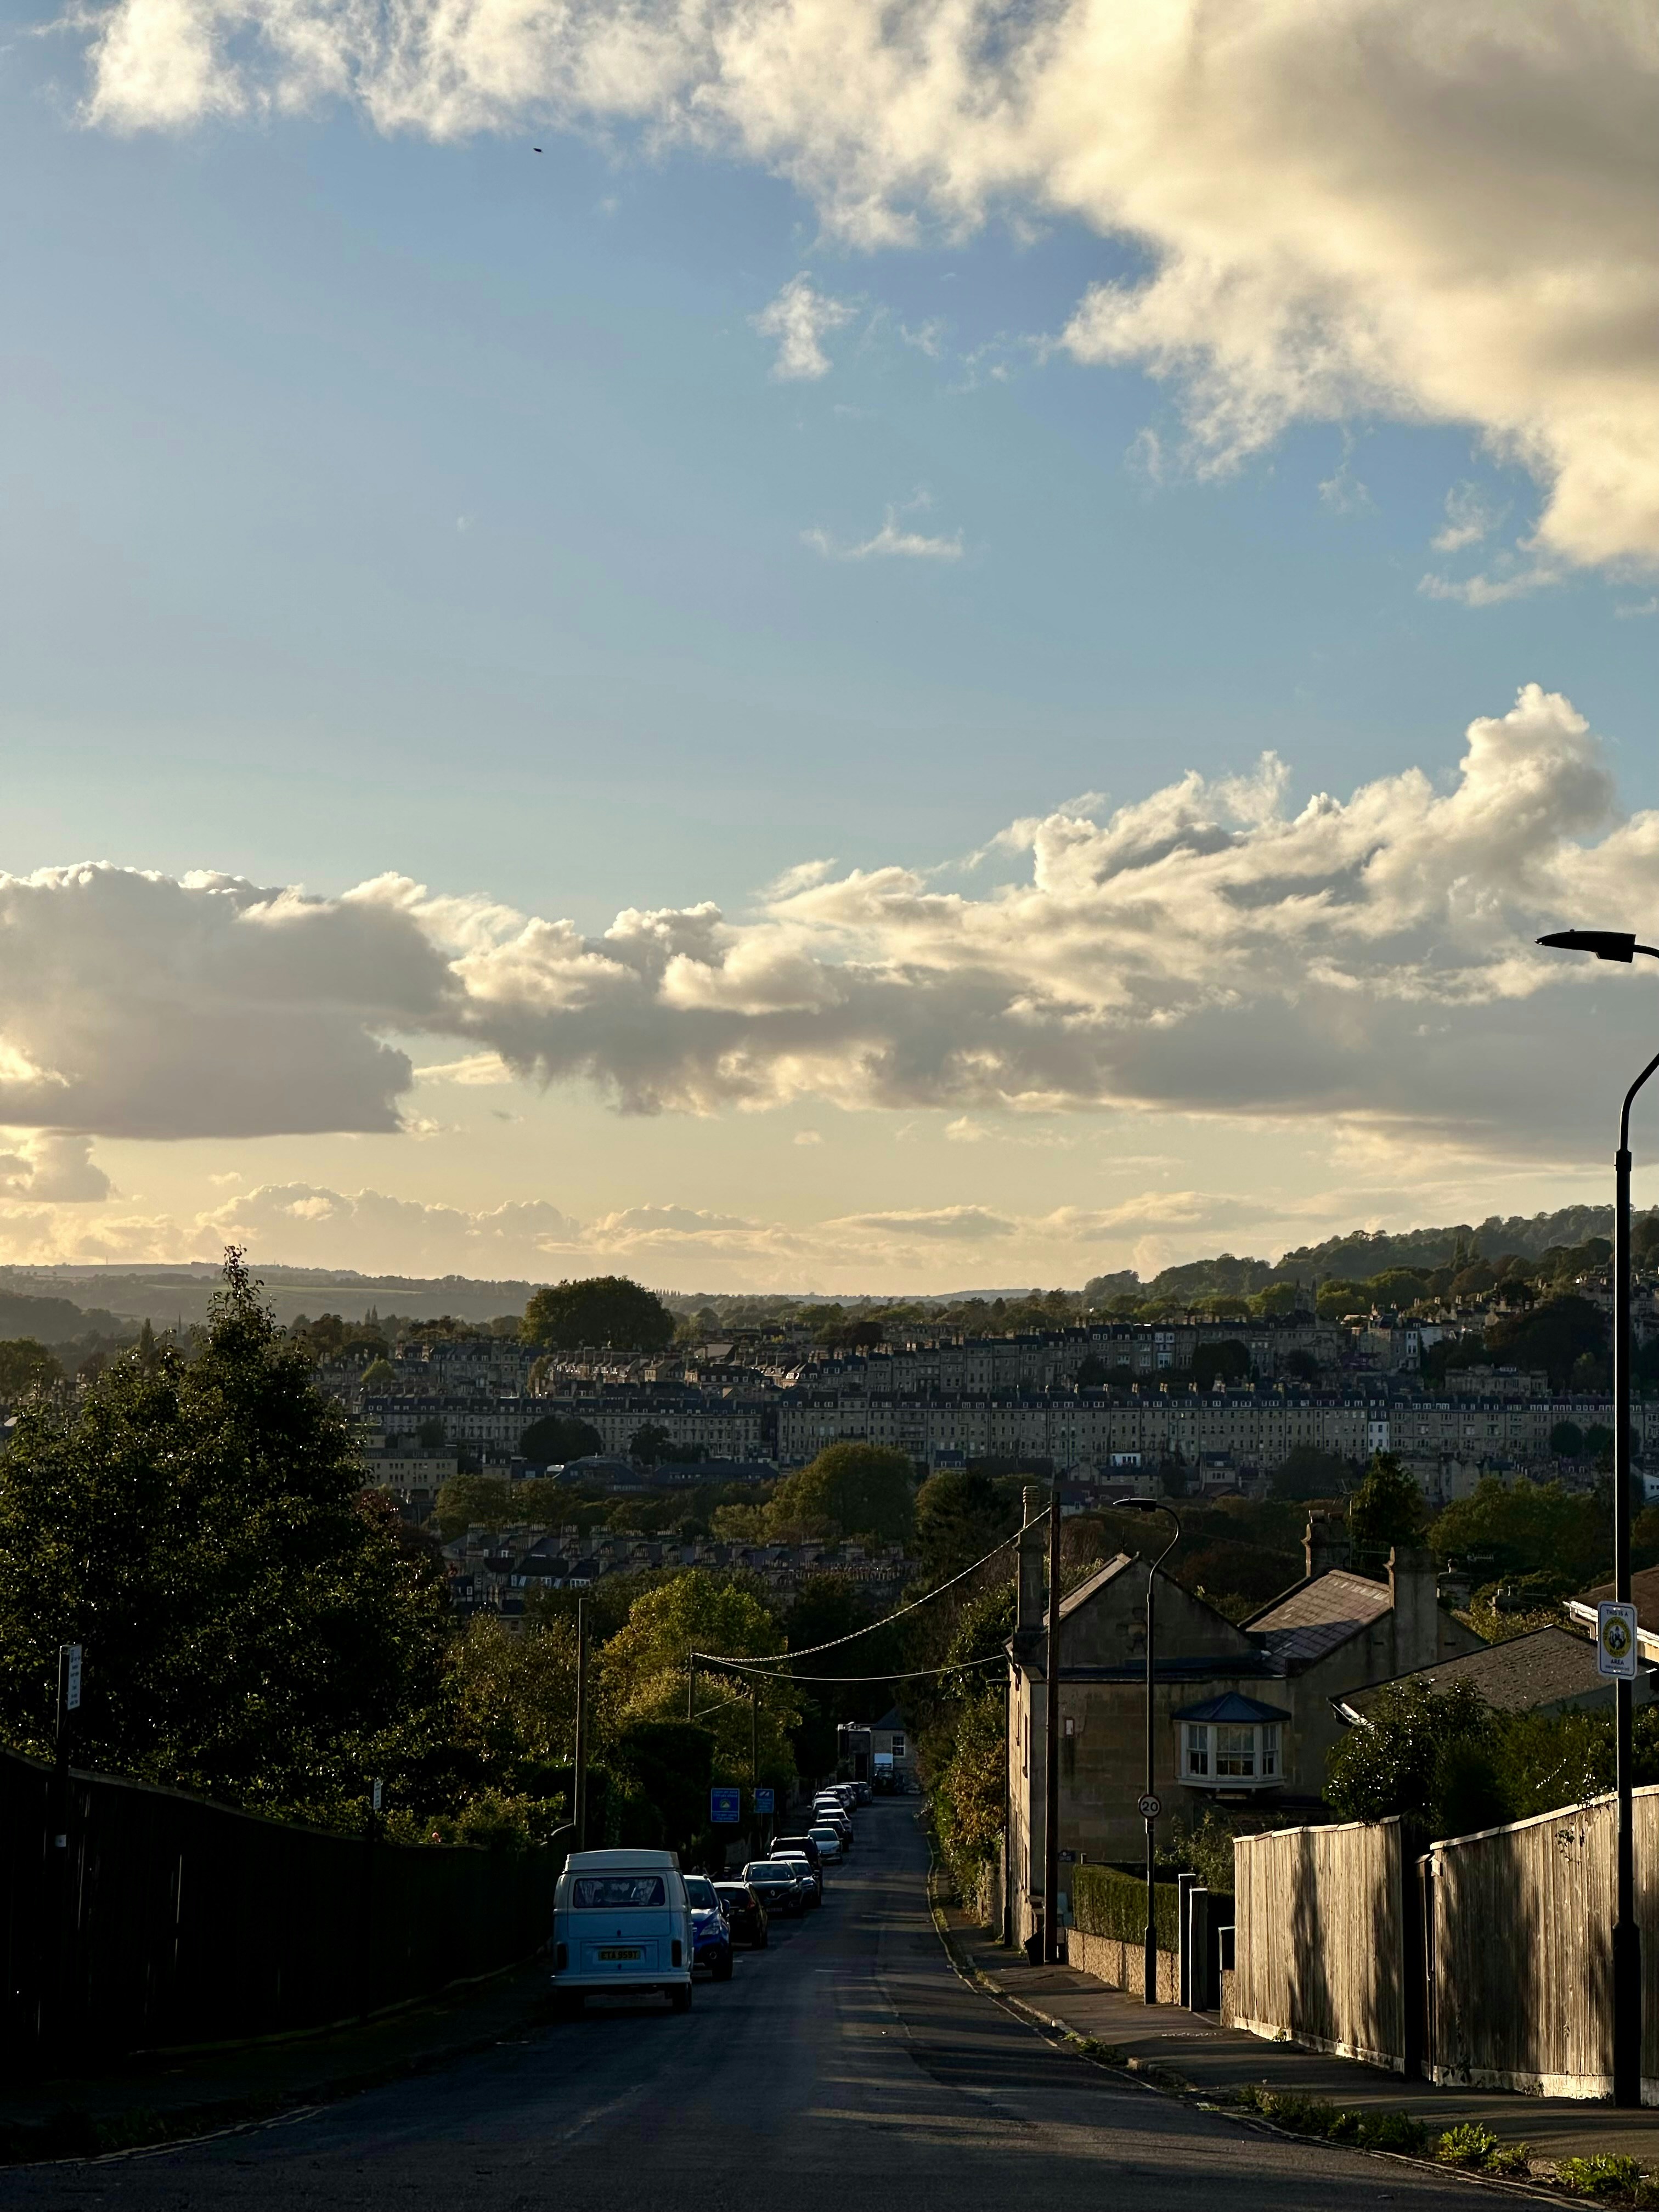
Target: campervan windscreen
[617,1893]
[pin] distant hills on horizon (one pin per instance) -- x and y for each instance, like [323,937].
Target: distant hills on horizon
[57,1303]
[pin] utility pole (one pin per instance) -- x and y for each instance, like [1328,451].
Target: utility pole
[581,1724]
[690,1685]
[754,1757]
[1051,1742]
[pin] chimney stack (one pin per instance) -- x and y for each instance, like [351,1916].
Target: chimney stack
[1415,1597]
[1325,1545]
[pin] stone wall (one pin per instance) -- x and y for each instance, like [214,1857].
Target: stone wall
[1122,1965]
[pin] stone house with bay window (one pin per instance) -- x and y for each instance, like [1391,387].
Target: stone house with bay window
[1243,1712]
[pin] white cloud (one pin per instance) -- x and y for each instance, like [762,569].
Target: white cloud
[479,1070]
[891,540]
[1437,212]
[1470,516]
[1518,583]
[808,1137]
[1211,949]
[800,319]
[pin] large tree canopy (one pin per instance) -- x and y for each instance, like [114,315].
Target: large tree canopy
[600,1309]
[253,1624]
[849,1490]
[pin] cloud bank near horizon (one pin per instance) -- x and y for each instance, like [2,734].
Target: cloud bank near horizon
[1428,211]
[1210,950]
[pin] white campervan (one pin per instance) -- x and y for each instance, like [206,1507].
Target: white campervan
[621,1923]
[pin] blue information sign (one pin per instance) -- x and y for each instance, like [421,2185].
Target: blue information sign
[725,1807]
[762,1801]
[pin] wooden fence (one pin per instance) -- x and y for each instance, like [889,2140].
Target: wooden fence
[1517,1924]
[1320,1953]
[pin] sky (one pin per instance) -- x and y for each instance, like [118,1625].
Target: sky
[817,646]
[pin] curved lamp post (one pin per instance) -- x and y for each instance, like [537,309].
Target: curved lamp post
[1149,1803]
[1620,945]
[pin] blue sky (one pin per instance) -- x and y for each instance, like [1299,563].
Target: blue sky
[381,504]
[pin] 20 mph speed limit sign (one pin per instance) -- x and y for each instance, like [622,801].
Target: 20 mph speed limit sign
[1151,1806]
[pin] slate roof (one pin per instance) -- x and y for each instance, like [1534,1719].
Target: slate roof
[1545,1667]
[1096,1582]
[1322,1614]
[1231,1707]
[1644,1594]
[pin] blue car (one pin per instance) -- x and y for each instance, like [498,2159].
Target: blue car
[711,1932]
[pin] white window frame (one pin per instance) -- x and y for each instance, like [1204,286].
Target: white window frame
[1257,1764]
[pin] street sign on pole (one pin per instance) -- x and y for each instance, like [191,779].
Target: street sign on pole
[1150,1807]
[724,1808]
[72,1678]
[378,1787]
[1616,1640]
[763,1802]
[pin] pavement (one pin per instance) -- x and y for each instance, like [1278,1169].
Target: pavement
[849,2057]
[1196,2051]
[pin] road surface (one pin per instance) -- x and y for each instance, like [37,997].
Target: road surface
[843,2068]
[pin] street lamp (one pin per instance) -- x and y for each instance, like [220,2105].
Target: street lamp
[1621,945]
[1150,1807]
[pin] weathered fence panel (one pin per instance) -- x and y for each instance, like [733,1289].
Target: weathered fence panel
[1517,1926]
[163,1919]
[1319,1947]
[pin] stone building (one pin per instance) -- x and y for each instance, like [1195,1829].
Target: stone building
[1243,1715]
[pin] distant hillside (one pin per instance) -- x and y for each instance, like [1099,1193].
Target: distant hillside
[1366,1252]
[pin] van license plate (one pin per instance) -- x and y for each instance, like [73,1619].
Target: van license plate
[616,1953]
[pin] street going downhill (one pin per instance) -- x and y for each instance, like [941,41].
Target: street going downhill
[844,2063]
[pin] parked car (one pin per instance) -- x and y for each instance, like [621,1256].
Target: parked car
[621,1922]
[832,1809]
[862,1794]
[829,1844]
[803,1844]
[711,1933]
[811,1880]
[845,1792]
[746,1915]
[838,1821]
[778,1885]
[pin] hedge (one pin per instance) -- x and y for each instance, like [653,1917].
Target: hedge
[1105,1902]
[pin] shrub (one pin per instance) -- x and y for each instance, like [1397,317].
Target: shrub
[1607,2175]
[1398,2132]
[1105,1901]
[1466,2144]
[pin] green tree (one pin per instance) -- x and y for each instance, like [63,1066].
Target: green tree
[599,1309]
[378,1375]
[1305,1471]
[255,1626]
[559,1437]
[968,1755]
[1528,1527]
[27,1369]
[959,1517]
[1567,1440]
[1387,1509]
[467,1501]
[513,1724]
[650,1443]
[849,1490]
[1429,1755]
[1229,1361]
[643,1668]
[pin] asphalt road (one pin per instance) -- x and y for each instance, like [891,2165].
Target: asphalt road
[844,2066]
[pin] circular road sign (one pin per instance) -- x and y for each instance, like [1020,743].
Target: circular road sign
[1151,1806]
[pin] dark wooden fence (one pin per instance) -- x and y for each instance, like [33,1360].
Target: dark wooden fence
[162,1920]
[1320,1940]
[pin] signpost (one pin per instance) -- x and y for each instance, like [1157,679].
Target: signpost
[1150,1805]
[763,1803]
[724,1808]
[1616,1640]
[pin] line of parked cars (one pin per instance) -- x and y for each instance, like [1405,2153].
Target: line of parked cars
[626,1922]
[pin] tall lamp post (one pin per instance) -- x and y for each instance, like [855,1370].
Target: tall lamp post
[1618,945]
[1150,1805]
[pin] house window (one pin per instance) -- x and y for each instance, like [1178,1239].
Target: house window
[1231,1754]
[898,1746]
